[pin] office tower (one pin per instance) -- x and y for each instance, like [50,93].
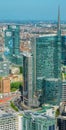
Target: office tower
[46,69]
[28,79]
[52,92]
[12,44]
[47,62]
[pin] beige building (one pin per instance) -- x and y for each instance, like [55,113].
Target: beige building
[5,85]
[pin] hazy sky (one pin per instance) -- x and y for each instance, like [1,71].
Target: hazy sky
[32,9]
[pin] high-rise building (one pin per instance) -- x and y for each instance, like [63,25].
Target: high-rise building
[28,81]
[46,69]
[52,91]
[12,44]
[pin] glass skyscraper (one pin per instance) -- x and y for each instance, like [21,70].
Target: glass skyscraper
[48,53]
[12,44]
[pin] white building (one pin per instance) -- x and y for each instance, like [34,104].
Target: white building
[11,121]
[8,121]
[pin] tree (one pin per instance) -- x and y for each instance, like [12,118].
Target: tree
[57,113]
[21,69]
[15,85]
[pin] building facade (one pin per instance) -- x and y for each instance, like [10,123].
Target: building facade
[61,122]
[8,122]
[64,91]
[46,62]
[48,65]
[35,121]
[5,85]
[4,68]
[48,55]
[12,44]
[28,81]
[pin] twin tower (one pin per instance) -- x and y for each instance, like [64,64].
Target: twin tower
[42,70]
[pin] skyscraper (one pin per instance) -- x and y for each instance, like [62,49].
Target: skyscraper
[28,78]
[46,69]
[12,44]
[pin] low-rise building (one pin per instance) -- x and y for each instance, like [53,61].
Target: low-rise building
[5,85]
[43,119]
[4,68]
[11,121]
[8,121]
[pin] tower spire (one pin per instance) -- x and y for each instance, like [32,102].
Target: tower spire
[59,18]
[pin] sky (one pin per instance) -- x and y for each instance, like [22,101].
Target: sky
[32,9]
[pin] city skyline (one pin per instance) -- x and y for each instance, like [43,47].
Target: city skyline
[32,65]
[32,10]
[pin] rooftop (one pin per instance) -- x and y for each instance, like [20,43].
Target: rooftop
[47,111]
